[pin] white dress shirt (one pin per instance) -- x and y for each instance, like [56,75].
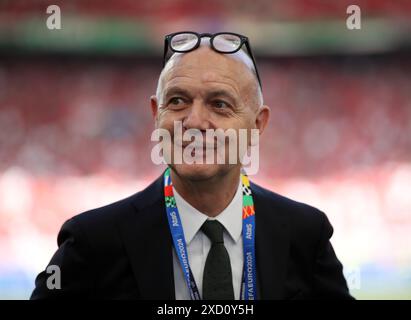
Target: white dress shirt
[198,243]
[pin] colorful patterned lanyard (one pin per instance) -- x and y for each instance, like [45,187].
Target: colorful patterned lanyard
[248,287]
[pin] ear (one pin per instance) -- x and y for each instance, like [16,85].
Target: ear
[154,108]
[263,115]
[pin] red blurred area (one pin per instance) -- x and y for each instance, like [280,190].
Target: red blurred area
[170,10]
[76,116]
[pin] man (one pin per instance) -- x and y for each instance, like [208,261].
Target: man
[201,230]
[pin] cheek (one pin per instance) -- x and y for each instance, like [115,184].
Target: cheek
[238,122]
[248,120]
[165,119]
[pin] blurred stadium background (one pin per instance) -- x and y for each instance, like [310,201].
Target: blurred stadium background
[75,123]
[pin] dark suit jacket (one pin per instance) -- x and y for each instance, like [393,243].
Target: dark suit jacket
[124,251]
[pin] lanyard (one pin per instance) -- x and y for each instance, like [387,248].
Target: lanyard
[248,286]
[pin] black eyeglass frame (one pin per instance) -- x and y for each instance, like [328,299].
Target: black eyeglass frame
[244,40]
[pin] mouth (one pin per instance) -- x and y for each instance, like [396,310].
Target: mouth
[194,145]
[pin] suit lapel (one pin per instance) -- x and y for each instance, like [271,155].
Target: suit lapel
[148,244]
[272,246]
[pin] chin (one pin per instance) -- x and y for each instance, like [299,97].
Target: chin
[199,172]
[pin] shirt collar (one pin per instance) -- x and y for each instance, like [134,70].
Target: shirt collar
[230,217]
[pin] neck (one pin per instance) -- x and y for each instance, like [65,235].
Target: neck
[209,196]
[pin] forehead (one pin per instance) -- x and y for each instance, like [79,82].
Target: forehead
[207,68]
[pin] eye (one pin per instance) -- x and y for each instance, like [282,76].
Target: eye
[220,104]
[176,101]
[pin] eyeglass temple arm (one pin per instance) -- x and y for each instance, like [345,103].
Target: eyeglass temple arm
[247,44]
[165,51]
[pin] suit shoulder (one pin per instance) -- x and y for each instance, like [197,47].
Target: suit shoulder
[109,214]
[291,209]
[106,213]
[306,224]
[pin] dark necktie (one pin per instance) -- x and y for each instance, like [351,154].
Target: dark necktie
[217,278]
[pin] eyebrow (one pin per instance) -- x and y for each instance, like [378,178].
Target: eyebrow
[176,91]
[209,95]
[221,93]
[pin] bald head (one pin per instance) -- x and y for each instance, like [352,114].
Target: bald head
[234,69]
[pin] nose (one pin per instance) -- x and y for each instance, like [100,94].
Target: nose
[198,117]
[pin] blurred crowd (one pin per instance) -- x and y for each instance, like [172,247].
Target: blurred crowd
[75,117]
